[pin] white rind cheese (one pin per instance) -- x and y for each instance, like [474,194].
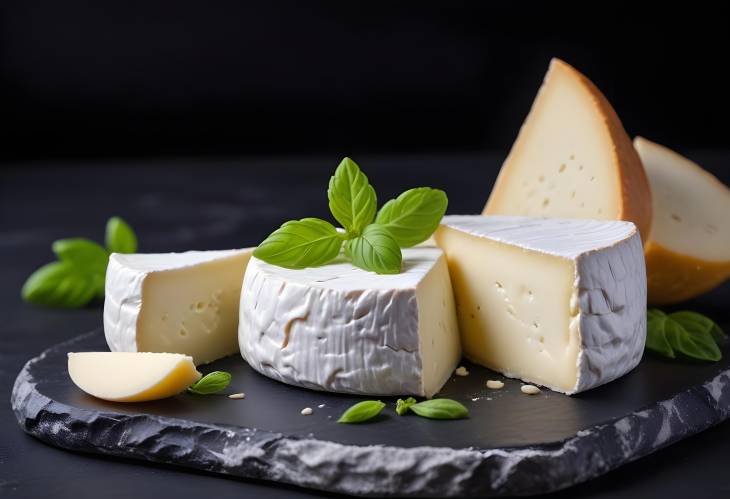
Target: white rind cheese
[175,302]
[556,302]
[339,328]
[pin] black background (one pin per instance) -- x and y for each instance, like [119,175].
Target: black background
[125,78]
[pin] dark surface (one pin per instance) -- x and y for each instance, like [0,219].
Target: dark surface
[173,76]
[219,204]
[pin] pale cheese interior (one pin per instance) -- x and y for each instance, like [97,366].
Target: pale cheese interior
[131,376]
[691,207]
[563,162]
[193,310]
[514,308]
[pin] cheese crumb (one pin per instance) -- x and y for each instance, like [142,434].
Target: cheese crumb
[530,389]
[320,406]
[307,411]
[237,395]
[495,384]
[461,371]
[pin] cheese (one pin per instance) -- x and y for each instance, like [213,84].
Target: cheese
[556,302]
[688,249]
[175,302]
[131,377]
[572,158]
[339,328]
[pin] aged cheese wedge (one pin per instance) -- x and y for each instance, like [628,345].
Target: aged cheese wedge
[556,302]
[131,377]
[688,249]
[339,328]
[175,302]
[572,158]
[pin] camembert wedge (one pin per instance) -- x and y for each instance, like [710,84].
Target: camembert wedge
[688,249]
[556,302]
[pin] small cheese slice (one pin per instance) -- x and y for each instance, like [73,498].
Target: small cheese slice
[339,328]
[688,249]
[572,158]
[175,302]
[556,302]
[131,377]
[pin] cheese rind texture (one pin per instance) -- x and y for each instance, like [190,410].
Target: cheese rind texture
[342,329]
[131,376]
[572,158]
[556,302]
[175,302]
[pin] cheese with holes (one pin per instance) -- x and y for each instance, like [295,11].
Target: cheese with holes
[572,158]
[688,249]
[175,302]
[131,377]
[556,302]
[342,329]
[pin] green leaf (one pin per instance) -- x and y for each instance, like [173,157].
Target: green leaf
[362,411]
[375,250]
[352,199]
[211,383]
[402,406]
[414,215]
[309,242]
[698,345]
[683,334]
[693,321]
[656,339]
[60,284]
[440,409]
[81,252]
[120,237]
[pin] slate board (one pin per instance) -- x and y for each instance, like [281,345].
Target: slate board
[511,444]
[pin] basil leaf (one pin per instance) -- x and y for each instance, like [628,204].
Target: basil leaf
[375,250]
[60,284]
[698,345]
[440,409]
[82,252]
[362,411]
[414,215]
[692,321]
[352,199]
[402,406]
[298,244]
[120,237]
[656,339]
[210,383]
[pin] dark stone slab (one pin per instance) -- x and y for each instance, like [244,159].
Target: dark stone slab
[512,443]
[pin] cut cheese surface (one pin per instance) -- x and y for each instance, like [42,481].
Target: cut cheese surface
[340,328]
[131,377]
[175,302]
[560,303]
[572,158]
[688,250]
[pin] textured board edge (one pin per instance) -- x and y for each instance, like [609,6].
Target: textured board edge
[375,470]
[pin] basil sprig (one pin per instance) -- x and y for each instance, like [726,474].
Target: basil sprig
[211,383]
[372,241]
[440,409]
[78,276]
[402,406]
[683,334]
[362,411]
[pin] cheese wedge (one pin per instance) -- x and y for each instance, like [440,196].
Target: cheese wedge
[175,302]
[342,329]
[559,303]
[688,249]
[131,377]
[572,158]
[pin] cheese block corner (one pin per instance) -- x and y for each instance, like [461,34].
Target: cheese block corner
[688,248]
[572,158]
[342,329]
[175,302]
[556,302]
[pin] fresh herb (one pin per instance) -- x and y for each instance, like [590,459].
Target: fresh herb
[78,276]
[362,411]
[402,406]
[211,383]
[683,334]
[440,409]
[371,241]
